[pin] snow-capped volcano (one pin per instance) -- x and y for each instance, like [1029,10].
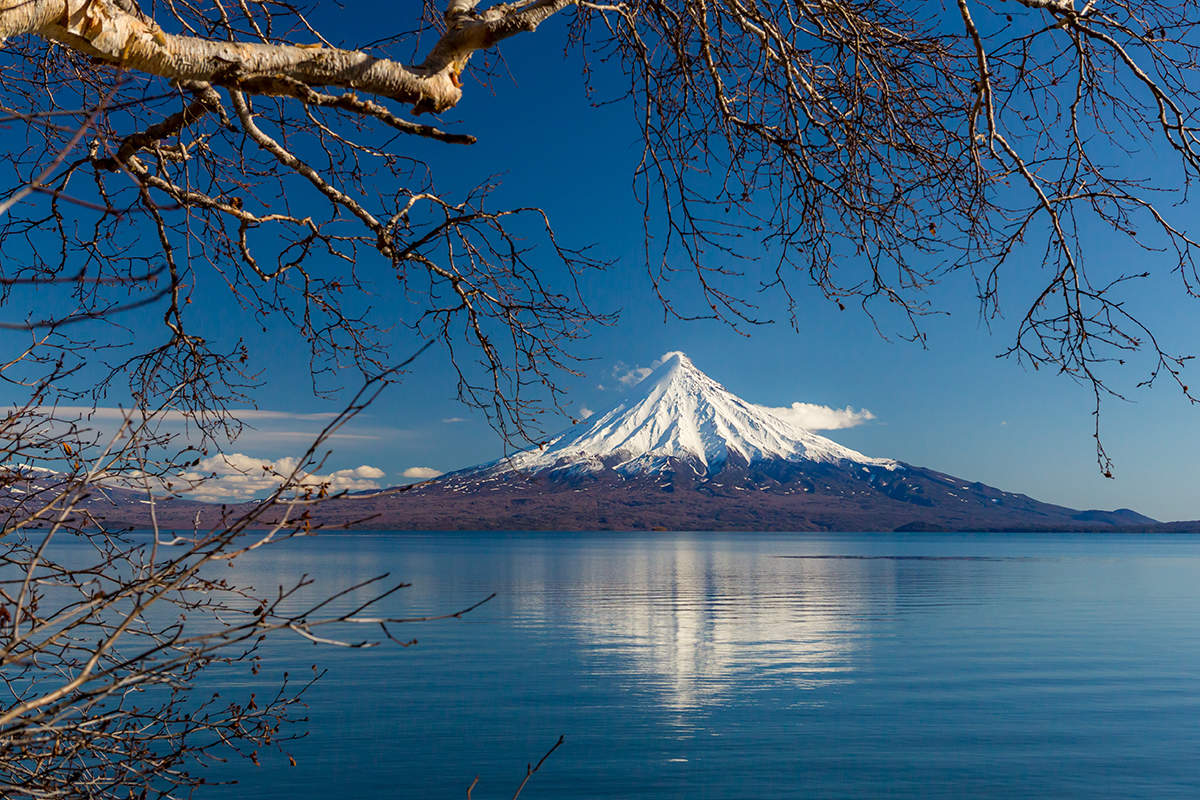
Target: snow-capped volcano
[679,451]
[679,415]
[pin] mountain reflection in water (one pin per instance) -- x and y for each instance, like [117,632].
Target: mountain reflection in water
[693,624]
[730,666]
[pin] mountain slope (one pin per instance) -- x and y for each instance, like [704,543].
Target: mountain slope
[680,451]
[678,415]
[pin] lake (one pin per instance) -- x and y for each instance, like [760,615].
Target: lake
[706,665]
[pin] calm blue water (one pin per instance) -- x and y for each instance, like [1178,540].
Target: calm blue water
[752,666]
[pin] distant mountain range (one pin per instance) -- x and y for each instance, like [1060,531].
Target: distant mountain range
[681,452]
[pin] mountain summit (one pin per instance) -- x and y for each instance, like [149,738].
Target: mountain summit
[678,416]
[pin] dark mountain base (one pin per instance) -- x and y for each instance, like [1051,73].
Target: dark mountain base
[767,497]
[774,496]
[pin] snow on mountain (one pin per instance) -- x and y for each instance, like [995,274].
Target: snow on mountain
[679,414]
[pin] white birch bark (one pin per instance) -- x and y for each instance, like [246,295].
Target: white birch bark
[104,30]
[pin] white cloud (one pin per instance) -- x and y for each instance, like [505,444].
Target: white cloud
[237,476]
[629,376]
[117,413]
[256,434]
[421,473]
[821,418]
[658,361]
[585,412]
[261,428]
[452,420]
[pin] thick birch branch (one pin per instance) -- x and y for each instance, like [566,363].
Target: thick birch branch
[104,30]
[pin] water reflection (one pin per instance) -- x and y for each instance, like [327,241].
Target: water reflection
[697,624]
[722,667]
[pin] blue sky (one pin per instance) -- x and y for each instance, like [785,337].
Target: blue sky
[952,406]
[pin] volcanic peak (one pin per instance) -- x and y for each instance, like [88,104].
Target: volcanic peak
[679,414]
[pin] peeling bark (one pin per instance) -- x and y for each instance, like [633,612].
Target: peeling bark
[106,31]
